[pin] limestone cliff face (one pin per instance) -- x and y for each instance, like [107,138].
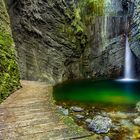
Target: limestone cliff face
[59,40]
[135,28]
[134,31]
[105,55]
[49,40]
[9,76]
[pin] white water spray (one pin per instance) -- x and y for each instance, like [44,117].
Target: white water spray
[129,63]
[128,70]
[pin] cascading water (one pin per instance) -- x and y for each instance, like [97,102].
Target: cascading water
[128,69]
[129,63]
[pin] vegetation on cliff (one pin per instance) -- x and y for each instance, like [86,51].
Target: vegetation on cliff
[89,9]
[9,77]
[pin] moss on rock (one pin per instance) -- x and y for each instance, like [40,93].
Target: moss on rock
[9,76]
[89,9]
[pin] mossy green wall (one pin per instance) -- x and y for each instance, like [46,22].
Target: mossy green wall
[89,9]
[9,76]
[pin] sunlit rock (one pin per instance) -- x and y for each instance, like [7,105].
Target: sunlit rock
[137,121]
[63,110]
[88,121]
[100,124]
[78,116]
[106,138]
[138,106]
[77,109]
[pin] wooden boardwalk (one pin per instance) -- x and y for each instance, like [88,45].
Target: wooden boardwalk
[29,114]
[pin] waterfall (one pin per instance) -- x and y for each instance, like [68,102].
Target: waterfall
[129,67]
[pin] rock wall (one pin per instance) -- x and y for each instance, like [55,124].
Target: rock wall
[134,32]
[60,40]
[49,40]
[9,75]
[107,42]
[135,28]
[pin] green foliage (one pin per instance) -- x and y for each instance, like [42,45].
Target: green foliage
[9,77]
[74,26]
[80,16]
[91,9]
[4,18]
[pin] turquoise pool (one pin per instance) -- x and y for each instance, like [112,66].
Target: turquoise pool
[105,91]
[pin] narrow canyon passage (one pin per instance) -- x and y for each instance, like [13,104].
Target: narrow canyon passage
[69,56]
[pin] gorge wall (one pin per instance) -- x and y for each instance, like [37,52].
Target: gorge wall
[49,39]
[9,76]
[134,31]
[66,39]
[106,29]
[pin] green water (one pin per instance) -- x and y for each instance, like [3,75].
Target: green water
[89,91]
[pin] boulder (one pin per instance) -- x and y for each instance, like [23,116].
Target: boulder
[106,138]
[78,116]
[100,124]
[77,109]
[64,111]
[137,121]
